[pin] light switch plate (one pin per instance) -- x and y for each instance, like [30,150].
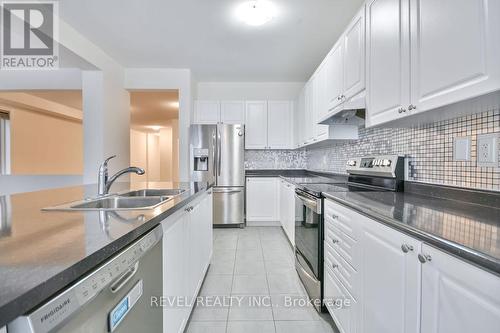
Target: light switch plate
[461,148]
[487,150]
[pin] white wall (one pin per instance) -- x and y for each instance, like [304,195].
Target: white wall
[163,79]
[248,90]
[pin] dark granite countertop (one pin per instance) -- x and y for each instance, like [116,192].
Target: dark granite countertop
[469,231]
[276,172]
[43,252]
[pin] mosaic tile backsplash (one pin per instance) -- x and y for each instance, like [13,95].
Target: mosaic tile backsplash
[275,159]
[428,147]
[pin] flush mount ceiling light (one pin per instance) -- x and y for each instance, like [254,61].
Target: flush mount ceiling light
[256,12]
[155,128]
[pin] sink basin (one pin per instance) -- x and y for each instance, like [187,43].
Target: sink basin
[121,203]
[153,193]
[133,200]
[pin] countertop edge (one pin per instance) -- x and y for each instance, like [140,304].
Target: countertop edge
[469,255]
[37,295]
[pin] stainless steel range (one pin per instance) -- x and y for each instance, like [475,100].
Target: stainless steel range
[371,173]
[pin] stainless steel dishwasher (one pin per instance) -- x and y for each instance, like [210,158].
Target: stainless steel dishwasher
[115,297]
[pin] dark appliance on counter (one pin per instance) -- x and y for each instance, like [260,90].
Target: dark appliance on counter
[372,173]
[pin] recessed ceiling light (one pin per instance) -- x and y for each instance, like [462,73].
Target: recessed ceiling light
[256,12]
[155,128]
[174,104]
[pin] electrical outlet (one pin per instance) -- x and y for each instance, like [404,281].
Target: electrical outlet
[487,150]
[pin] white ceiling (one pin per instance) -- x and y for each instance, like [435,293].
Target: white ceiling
[205,36]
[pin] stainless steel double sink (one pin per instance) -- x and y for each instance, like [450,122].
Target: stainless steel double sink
[134,200]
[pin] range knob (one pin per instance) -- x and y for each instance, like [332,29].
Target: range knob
[351,163]
[387,162]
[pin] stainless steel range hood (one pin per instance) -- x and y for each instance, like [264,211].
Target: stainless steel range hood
[351,112]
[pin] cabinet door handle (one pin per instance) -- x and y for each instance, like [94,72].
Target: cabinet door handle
[406,248]
[335,241]
[335,266]
[423,258]
[411,107]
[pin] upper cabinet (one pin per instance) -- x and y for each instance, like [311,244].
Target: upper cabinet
[334,76]
[269,125]
[206,112]
[256,126]
[219,112]
[424,54]
[232,112]
[279,124]
[455,50]
[353,43]
[387,61]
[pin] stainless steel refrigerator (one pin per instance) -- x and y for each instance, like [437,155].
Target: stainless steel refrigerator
[217,156]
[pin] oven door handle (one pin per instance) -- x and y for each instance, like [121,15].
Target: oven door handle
[313,204]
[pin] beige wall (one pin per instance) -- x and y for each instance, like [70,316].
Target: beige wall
[153,172]
[157,153]
[138,153]
[45,144]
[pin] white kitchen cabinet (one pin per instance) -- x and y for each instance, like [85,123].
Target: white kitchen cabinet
[232,112]
[175,263]
[299,120]
[309,124]
[334,76]
[390,276]
[256,125]
[457,297]
[287,209]
[206,112]
[215,112]
[262,200]
[424,54]
[354,56]
[269,125]
[199,242]
[319,104]
[279,124]
[387,60]
[187,249]
[455,50]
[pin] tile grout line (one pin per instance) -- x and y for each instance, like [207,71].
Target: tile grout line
[267,281]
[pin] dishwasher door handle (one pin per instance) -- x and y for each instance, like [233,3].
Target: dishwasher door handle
[122,280]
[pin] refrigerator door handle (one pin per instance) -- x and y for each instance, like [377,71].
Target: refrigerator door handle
[227,191]
[219,148]
[214,141]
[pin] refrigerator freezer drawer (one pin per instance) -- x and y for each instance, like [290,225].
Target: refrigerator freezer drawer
[229,203]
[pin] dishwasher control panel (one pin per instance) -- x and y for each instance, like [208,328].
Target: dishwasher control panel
[55,312]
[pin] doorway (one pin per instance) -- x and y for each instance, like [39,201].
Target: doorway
[154,135]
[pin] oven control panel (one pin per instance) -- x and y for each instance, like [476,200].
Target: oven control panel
[383,165]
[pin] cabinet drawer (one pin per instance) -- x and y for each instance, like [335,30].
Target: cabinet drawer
[342,270]
[340,303]
[344,218]
[347,247]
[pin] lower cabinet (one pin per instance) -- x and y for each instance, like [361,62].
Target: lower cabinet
[456,296]
[399,284]
[187,249]
[390,287]
[287,209]
[262,200]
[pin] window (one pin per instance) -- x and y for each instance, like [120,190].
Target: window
[4,143]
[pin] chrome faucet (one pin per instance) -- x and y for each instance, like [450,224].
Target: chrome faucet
[104,182]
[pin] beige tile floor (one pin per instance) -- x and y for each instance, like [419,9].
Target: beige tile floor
[254,268]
